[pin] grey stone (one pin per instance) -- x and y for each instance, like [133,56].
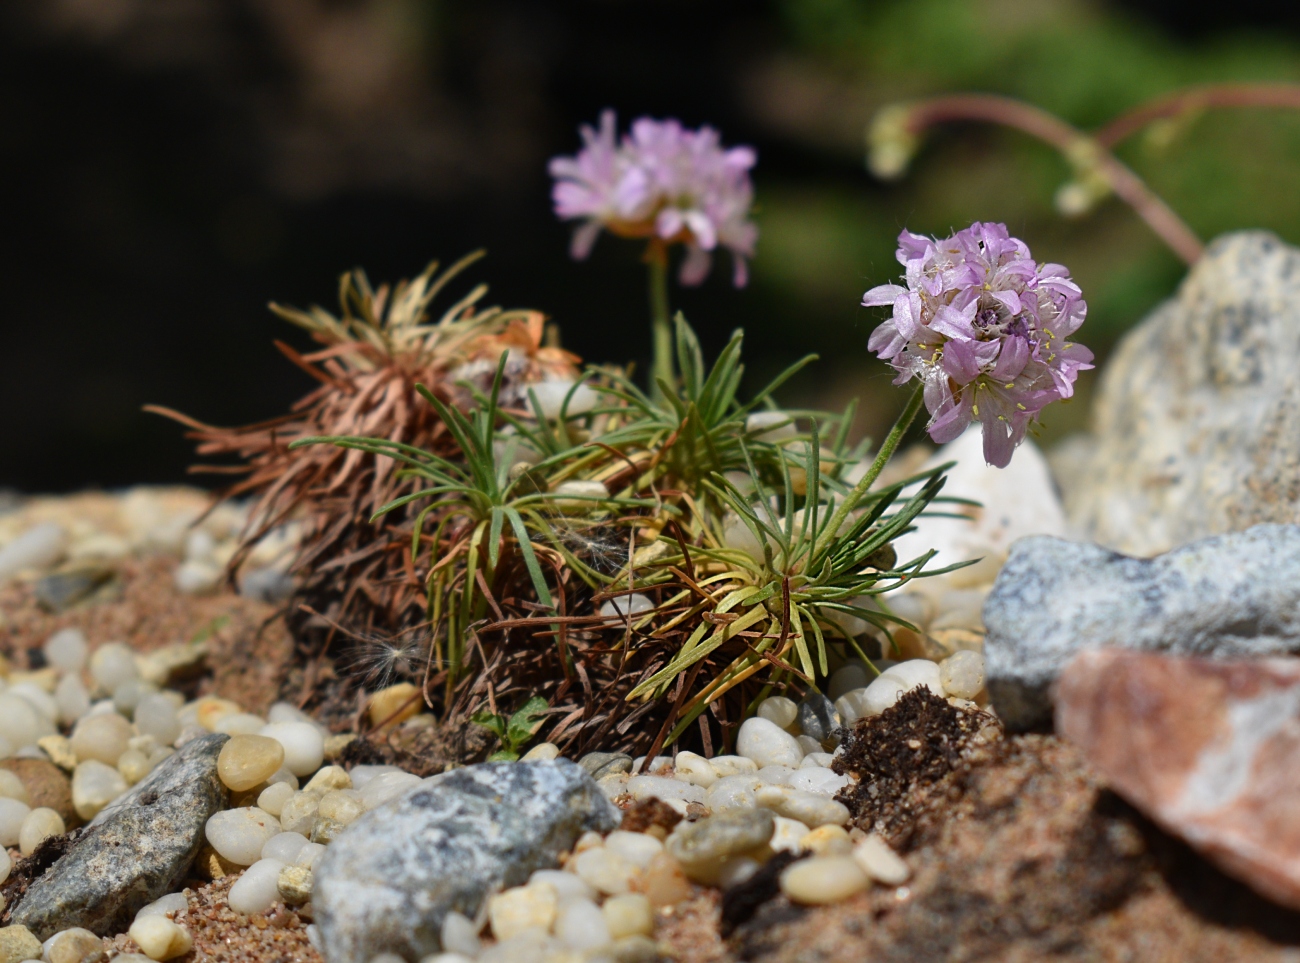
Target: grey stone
[711,840]
[1197,417]
[601,764]
[135,851]
[60,590]
[1228,596]
[817,717]
[389,879]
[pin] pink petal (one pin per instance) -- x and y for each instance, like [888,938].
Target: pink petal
[952,323]
[1012,360]
[583,239]
[883,294]
[695,266]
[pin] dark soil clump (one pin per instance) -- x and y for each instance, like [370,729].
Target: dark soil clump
[644,813]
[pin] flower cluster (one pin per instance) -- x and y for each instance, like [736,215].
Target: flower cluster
[662,182]
[984,327]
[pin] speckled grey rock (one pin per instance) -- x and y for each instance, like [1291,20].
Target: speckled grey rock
[388,880]
[1231,595]
[1197,416]
[135,851]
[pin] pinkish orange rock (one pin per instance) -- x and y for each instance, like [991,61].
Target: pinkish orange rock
[1208,749]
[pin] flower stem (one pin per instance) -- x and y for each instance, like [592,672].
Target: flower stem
[886,452]
[656,256]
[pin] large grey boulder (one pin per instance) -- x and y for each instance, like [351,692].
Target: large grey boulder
[1197,417]
[134,852]
[387,881]
[1230,595]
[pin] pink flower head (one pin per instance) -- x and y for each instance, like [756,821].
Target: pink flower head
[661,181]
[984,327]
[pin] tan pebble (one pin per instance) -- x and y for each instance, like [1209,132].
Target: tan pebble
[274,796]
[542,752]
[325,831]
[102,738]
[246,761]
[134,765]
[880,862]
[523,908]
[827,841]
[395,704]
[329,778]
[823,879]
[588,840]
[630,914]
[76,945]
[59,749]
[38,826]
[212,865]
[210,709]
[342,805]
[637,949]
[334,745]
[294,884]
[44,679]
[605,870]
[664,883]
[17,944]
[160,938]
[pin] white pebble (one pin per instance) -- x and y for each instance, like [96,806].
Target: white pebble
[580,925]
[629,914]
[809,808]
[72,699]
[386,786]
[775,775]
[566,885]
[552,393]
[779,711]
[6,864]
[767,744]
[363,774]
[818,780]
[304,746]
[855,675]
[197,578]
[309,856]
[112,664]
[240,724]
[915,673]
[37,548]
[823,879]
[732,766]
[12,814]
[299,813]
[522,908]
[257,889]
[657,764]
[962,674]
[66,650]
[635,604]
[880,862]
[604,870]
[11,787]
[542,752]
[38,698]
[665,788]
[733,792]
[155,715]
[735,871]
[94,786]
[459,935]
[823,759]
[274,797]
[808,744]
[171,903]
[39,825]
[284,846]
[128,695]
[787,835]
[21,723]
[160,938]
[239,834]
[613,785]
[637,848]
[102,737]
[694,769]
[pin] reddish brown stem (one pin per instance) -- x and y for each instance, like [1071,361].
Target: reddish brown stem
[1074,144]
[1197,98]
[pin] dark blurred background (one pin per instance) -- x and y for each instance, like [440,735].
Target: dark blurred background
[169,166]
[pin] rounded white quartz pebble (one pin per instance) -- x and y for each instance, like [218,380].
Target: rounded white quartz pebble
[102,737]
[94,786]
[735,871]
[733,792]
[299,813]
[304,745]
[66,650]
[823,759]
[542,752]
[567,885]
[258,888]
[155,715]
[11,787]
[38,547]
[915,673]
[72,699]
[364,774]
[21,723]
[855,675]
[657,764]
[635,604]
[6,864]
[39,825]
[553,393]
[880,862]
[580,925]
[40,700]
[460,935]
[128,695]
[239,834]
[310,855]
[808,744]
[160,938]
[274,797]
[809,808]
[732,766]
[779,711]
[522,908]
[694,769]
[284,846]
[628,915]
[823,879]
[171,903]
[12,814]
[604,870]
[637,848]
[386,786]
[240,724]
[962,674]
[77,944]
[112,664]
[447,958]
[818,780]
[787,835]
[774,775]
[767,743]
[665,788]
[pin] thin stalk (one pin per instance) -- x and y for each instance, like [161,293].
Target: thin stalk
[886,452]
[656,257]
[1286,96]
